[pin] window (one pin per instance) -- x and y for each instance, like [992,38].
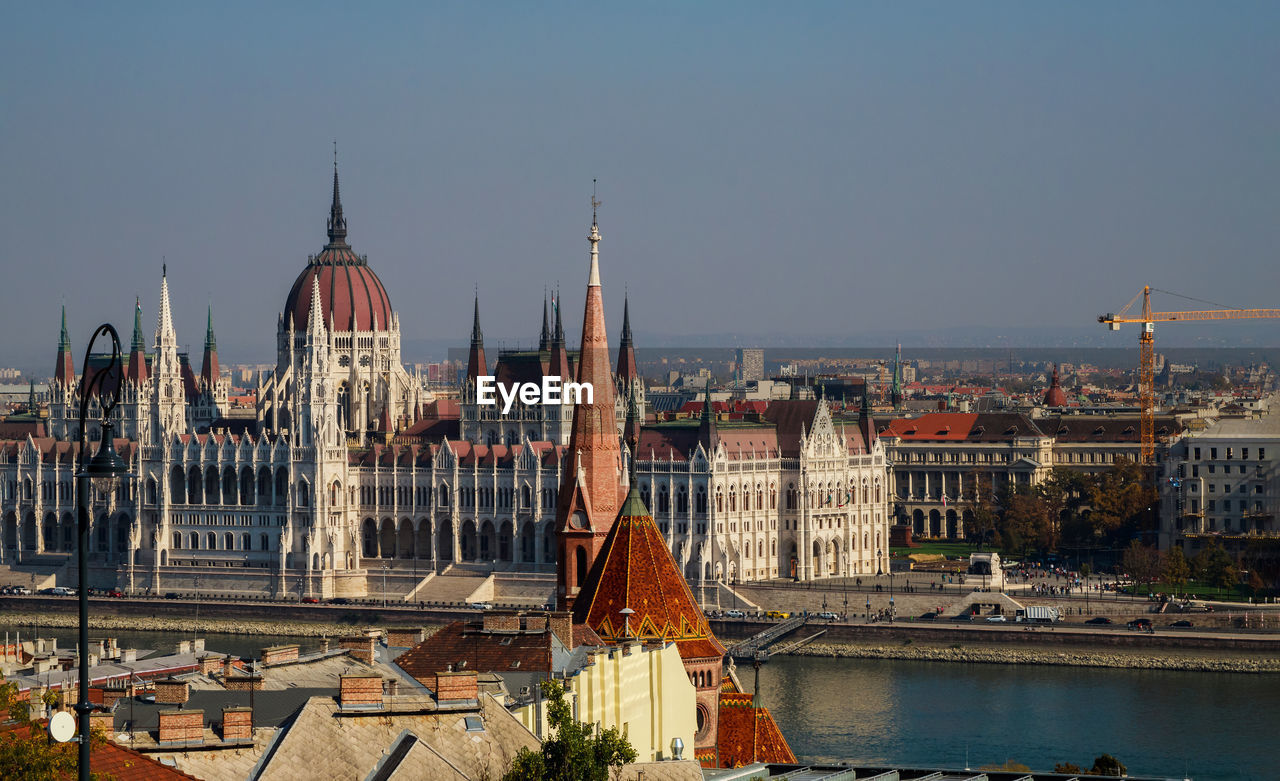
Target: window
[1195,470]
[1213,453]
[1244,453]
[1262,454]
[1230,453]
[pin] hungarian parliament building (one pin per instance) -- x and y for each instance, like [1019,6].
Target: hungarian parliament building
[348,470]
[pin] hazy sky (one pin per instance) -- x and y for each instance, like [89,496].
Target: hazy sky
[796,168]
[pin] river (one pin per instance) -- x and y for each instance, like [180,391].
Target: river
[1164,723]
[1202,725]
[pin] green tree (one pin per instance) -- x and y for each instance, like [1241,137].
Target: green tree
[1067,767]
[1176,571]
[1120,498]
[1142,563]
[981,501]
[1215,567]
[573,752]
[26,753]
[1107,765]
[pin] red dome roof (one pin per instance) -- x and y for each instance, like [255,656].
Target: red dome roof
[352,297]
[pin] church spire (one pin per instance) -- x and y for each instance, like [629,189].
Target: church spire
[592,487]
[544,340]
[337,223]
[137,371]
[476,364]
[64,371]
[708,435]
[559,366]
[209,367]
[165,335]
[627,372]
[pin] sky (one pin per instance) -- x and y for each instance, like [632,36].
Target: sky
[856,170]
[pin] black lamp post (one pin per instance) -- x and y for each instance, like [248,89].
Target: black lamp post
[102,471]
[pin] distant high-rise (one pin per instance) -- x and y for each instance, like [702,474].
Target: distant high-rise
[750,364]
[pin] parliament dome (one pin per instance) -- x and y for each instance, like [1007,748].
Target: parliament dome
[352,297]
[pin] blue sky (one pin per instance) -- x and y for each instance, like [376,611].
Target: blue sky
[765,168]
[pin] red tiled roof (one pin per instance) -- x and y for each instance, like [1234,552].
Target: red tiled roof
[106,759]
[635,570]
[746,734]
[481,651]
[962,426]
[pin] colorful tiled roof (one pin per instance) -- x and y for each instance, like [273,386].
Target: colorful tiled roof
[481,651]
[635,570]
[746,734]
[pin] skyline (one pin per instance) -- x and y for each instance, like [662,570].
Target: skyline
[879,170]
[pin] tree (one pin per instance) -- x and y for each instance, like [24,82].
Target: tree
[1142,562]
[1176,569]
[1067,767]
[573,752]
[981,528]
[1120,497]
[1215,567]
[26,753]
[1107,765]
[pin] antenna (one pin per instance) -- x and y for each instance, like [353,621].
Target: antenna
[595,204]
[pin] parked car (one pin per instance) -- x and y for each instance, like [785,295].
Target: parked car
[60,591]
[340,601]
[1099,620]
[310,601]
[1183,623]
[171,595]
[481,606]
[827,614]
[997,620]
[963,617]
[115,592]
[739,614]
[1140,624]
[777,615]
[930,616]
[21,590]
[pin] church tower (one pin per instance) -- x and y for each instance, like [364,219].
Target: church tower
[592,488]
[171,401]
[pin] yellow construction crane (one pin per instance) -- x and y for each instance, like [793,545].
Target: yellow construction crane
[1147,350]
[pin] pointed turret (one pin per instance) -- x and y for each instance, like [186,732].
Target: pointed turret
[592,487]
[476,365]
[626,352]
[708,435]
[631,426]
[209,366]
[165,335]
[895,394]
[337,223]
[137,371]
[559,363]
[544,340]
[64,372]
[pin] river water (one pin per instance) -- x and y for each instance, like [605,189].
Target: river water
[1163,723]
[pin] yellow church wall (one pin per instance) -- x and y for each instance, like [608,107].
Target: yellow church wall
[642,691]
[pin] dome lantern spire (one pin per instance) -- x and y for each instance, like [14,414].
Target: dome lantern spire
[337,223]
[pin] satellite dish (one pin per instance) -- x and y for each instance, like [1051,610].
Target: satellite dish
[62,727]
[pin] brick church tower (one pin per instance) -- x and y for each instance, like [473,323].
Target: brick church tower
[592,488]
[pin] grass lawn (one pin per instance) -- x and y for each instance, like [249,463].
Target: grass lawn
[1200,591]
[949,549]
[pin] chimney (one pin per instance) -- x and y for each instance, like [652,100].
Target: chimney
[181,726]
[171,692]
[237,724]
[360,691]
[561,623]
[452,686]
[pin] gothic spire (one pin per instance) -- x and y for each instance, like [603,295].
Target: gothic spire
[209,366]
[627,371]
[137,371]
[544,340]
[476,364]
[559,366]
[337,223]
[592,488]
[64,370]
[210,343]
[708,435]
[164,319]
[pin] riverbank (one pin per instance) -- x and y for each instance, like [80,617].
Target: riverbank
[1186,662]
[107,623]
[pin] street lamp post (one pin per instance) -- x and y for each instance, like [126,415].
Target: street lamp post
[384,584]
[102,471]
